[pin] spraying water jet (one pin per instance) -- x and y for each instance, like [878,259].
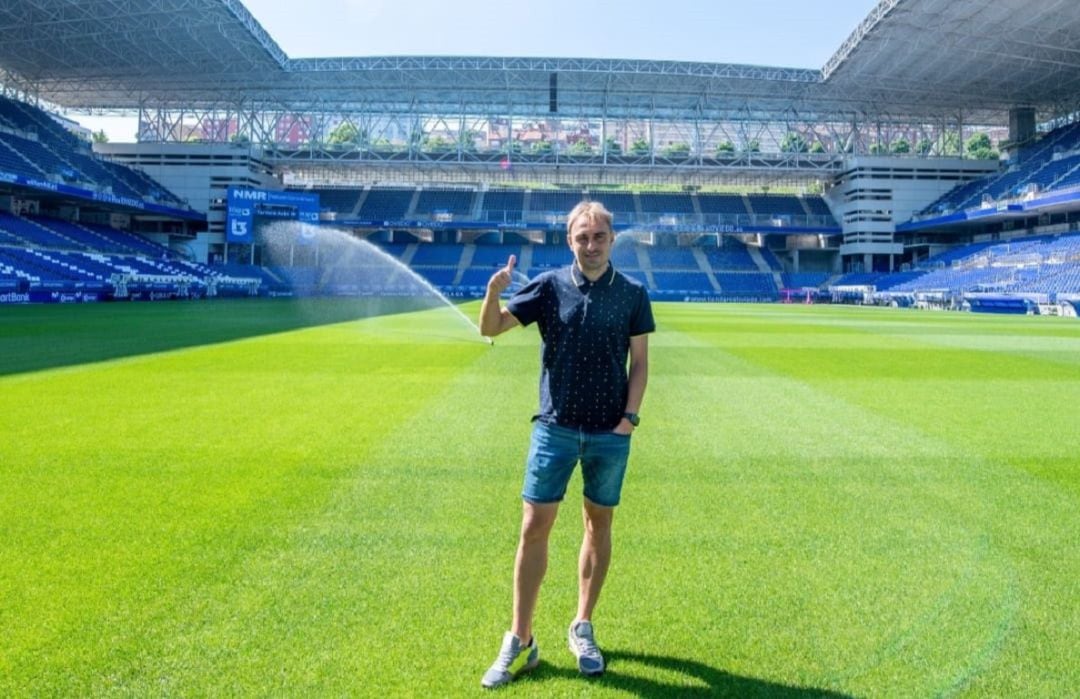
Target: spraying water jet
[349,266]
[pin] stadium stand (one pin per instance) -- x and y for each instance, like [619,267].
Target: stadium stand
[456,202]
[50,253]
[723,204]
[1037,266]
[386,204]
[33,144]
[508,206]
[437,254]
[494,255]
[733,258]
[673,258]
[800,280]
[339,201]
[654,203]
[775,204]
[544,201]
[504,205]
[549,256]
[624,255]
[1051,164]
[746,286]
[817,206]
[619,203]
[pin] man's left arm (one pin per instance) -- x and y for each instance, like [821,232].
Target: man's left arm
[638,378]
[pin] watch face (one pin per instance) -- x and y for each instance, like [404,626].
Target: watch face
[633,418]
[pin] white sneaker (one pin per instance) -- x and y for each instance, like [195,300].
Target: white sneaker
[514,659]
[583,645]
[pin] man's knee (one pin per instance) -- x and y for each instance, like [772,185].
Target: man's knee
[598,518]
[537,521]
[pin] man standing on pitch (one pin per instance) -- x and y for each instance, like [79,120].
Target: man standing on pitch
[591,318]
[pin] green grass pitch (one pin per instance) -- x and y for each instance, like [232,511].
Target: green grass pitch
[261,498]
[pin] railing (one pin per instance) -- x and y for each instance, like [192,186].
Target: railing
[721,222]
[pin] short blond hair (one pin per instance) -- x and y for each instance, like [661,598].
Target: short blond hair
[594,211]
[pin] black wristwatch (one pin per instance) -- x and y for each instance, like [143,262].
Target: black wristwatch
[632,418]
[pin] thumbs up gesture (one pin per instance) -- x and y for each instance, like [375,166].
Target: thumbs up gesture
[500,281]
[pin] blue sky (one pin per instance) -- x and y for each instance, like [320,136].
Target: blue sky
[789,33]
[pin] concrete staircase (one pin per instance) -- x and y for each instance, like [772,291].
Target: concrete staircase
[704,266]
[762,265]
[646,265]
[464,263]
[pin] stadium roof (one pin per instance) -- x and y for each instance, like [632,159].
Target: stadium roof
[908,60]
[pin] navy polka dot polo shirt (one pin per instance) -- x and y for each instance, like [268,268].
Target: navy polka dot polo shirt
[585,328]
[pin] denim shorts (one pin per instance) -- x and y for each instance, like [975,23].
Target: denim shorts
[555,451]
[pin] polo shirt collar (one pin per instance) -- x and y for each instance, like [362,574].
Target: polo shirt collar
[582,282]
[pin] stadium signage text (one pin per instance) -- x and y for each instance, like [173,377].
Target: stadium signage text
[248,194]
[42,184]
[241,215]
[80,193]
[49,296]
[74,297]
[114,199]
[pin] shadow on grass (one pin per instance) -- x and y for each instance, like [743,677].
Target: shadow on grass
[48,336]
[700,680]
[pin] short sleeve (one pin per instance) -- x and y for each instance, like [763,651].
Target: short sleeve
[641,322]
[525,305]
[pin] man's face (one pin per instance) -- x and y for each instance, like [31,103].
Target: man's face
[590,242]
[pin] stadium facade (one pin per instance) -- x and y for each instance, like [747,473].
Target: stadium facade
[857,168]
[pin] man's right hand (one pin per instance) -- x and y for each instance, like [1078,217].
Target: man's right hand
[500,281]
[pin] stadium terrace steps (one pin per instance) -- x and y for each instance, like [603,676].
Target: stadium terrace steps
[1035,265]
[658,204]
[437,254]
[429,203]
[14,159]
[620,204]
[722,204]
[386,204]
[645,265]
[408,253]
[478,205]
[42,158]
[759,260]
[410,210]
[525,259]
[507,206]
[338,201]
[144,186]
[668,258]
[666,272]
[1052,163]
[36,234]
[553,202]
[360,202]
[467,254]
[683,282]
[800,280]
[497,206]
[82,238]
[705,267]
[34,145]
[775,204]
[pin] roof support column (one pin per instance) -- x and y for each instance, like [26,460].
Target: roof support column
[1021,124]
[603,139]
